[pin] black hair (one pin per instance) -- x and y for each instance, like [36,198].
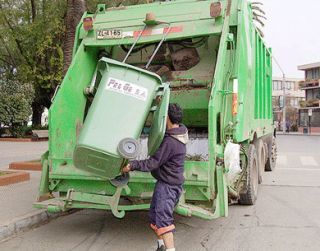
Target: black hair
[175,113]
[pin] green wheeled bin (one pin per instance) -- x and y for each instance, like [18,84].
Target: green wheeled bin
[123,99]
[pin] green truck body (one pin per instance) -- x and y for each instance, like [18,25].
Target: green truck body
[219,71]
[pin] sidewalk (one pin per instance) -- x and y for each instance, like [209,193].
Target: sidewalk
[298,134]
[16,200]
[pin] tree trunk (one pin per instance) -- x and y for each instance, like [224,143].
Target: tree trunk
[37,111]
[75,10]
[33,10]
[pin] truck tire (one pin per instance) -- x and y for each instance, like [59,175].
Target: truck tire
[250,195]
[272,159]
[261,157]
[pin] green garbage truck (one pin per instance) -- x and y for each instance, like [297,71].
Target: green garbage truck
[129,63]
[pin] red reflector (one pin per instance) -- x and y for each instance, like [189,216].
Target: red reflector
[174,29]
[234,104]
[215,9]
[159,31]
[87,23]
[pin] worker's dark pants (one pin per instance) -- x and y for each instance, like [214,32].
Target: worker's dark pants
[164,199]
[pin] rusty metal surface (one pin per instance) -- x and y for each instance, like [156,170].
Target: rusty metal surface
[185,58]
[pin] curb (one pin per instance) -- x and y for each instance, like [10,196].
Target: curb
[15,140]
[26,222]
[298,134]
[23,139]
[13,177]
[26,165]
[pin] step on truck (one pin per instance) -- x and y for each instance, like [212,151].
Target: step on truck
[128,63]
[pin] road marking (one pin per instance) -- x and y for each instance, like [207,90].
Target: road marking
[278,185]
[308,161]
[282,160]
[298,169]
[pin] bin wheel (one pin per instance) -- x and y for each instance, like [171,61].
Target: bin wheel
[261,156]
[129,148]
[249,196]
[271,162]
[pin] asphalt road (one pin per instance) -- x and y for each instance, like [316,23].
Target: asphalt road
[286,216]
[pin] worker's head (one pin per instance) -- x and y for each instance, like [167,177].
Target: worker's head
[175,115]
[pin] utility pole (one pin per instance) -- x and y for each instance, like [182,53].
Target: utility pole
[309,121]
[284,95]
[284,103]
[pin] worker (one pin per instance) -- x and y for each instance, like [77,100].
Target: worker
[166,166]
[288,124]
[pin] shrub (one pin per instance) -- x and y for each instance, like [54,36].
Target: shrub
[15,106]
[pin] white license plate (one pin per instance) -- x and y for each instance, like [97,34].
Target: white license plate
[109,34]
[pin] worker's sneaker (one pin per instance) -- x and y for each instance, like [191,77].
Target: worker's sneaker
[161,248]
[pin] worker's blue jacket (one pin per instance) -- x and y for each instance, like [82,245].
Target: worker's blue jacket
[167,164]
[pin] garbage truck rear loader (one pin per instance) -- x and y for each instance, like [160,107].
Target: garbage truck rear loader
[128,64]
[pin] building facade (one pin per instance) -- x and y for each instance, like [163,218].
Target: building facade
[293,97]
[309,113]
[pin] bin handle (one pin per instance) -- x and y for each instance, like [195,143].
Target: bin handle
[134,44]
[93,82]
[158,47]
[90,89]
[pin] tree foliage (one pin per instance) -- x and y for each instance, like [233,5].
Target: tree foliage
[31,34]
[259,16]
[91,4]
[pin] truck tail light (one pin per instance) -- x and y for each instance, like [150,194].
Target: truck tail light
[87,23]
[235,97]
[234,104]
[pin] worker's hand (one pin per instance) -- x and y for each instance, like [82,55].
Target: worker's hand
[126,169]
